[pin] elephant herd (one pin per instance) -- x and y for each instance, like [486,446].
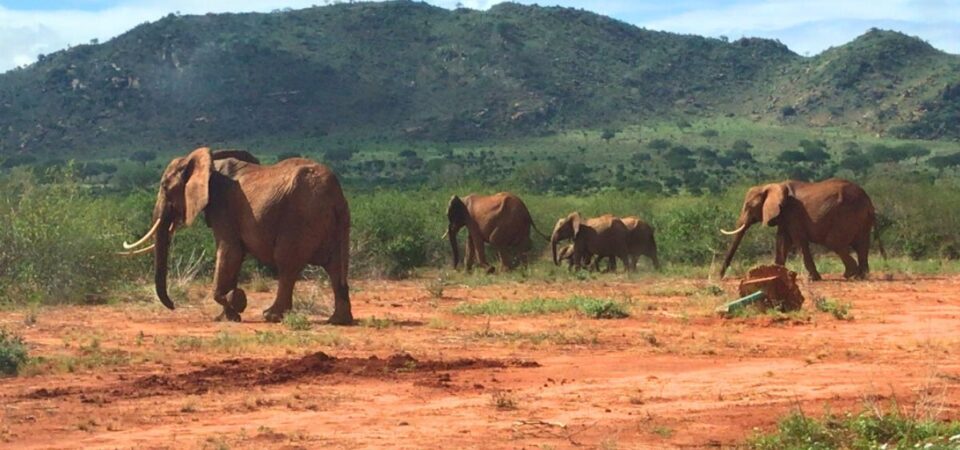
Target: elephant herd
[503,222]
[294,213]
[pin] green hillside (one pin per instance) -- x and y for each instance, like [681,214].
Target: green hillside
[409,71]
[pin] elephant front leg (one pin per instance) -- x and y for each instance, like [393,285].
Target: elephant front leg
[783,245]
[226,292]
[808,261]
[470,251]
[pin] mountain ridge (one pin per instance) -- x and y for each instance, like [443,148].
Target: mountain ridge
[408,70]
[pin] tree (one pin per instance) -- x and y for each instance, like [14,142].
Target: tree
[608,134]
[858,164]
[792,156]
[683,124]
[659,144]
[941,162]
[740,156]
[709,133]
[408,153]
[915,151]
[143,156]
[287,155]
[741,145]
[339,154]
[882,154]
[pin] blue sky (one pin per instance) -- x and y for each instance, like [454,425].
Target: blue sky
[31,27]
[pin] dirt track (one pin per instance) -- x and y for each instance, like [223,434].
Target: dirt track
[671,375]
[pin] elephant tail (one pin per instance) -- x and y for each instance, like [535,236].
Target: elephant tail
[876,236]
[534,225]
[345,245]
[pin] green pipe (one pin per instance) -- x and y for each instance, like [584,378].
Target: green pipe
[741,302]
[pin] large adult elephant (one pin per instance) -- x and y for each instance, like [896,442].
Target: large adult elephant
[601,237]
[501,220]
[640,241]
[286,215]
[835,213]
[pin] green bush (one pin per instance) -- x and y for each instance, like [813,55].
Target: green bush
[393,232]
[13,353]
[58,242]
[859,431]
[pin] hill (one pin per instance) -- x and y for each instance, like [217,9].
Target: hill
[406,70]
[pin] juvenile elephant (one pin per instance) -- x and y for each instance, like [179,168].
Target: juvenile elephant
[640,241]
[601,237]
[566,254]
[287,215]
[834,213]
[501,220]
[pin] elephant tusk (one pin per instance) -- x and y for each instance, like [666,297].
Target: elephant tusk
[137,252]
[445,234]
[730,233]
[149,234]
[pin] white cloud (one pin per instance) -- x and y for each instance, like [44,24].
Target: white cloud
[810,26]
[25,34]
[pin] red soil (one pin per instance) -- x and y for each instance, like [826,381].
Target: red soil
[671,375]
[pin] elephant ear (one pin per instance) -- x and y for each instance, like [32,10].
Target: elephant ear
[199,167]
[575,221]
[236,154]
[776,194]
[456,210]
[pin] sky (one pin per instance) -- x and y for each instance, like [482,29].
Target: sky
[32,27]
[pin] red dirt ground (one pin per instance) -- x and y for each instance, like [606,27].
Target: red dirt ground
[421,376]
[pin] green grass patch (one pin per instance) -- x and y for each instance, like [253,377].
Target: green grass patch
[866,430]
[591,307]
[375,322]
[230,342]
[538,338]
[839,310]
[296,321]
[89,356]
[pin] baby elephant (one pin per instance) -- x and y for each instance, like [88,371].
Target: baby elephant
[566,254]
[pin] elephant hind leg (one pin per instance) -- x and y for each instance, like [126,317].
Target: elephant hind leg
[284,301]
[342,314]
[851,268]
[652,254]
[862,247]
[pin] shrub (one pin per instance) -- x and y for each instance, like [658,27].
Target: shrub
[57,242]
[13,353]
[391,229]
[296,321]
[874,429]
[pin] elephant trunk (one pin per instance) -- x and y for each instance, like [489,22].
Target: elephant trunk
[553,247]
[452,231]
[742,226]
[160,253]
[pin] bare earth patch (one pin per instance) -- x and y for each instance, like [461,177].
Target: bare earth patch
[418,375]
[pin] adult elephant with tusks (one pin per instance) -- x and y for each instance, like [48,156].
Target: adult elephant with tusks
[501,220]
[286,215]
[835,213]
